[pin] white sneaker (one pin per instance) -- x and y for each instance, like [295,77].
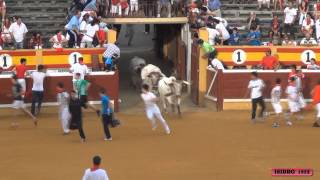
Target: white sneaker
[154,128]
[108,139]
[275,125]
[289,123]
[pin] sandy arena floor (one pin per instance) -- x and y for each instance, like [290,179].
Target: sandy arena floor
[204,146]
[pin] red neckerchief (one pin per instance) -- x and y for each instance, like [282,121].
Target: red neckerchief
[300,75]
[59,37]
[94,168]
[308,21]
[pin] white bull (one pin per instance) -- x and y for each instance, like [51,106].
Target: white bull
[151,75]
[136,66]
[170,91]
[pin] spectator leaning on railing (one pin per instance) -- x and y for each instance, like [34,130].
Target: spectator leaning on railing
[269,61]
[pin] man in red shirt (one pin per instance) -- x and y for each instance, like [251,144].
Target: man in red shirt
[269,61]
[20,71]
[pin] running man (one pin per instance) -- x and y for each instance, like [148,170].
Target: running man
[21,72]
[152,110]
[76,115]
[18,102]
[275,101]
[298,77]
[63,101]
[315,93]
[293,100]
[106,114]
[82,86]
[37,89]
[256,86]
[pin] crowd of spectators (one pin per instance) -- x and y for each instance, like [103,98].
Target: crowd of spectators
[299,25]
[84,27]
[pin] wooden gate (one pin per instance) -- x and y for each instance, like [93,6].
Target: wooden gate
[181,60]
[195,73]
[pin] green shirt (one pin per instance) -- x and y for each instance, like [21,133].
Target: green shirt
[207,47]
[81,86]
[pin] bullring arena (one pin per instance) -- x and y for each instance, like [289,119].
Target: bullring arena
[214,138]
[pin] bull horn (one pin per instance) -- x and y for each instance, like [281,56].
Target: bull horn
[186,82]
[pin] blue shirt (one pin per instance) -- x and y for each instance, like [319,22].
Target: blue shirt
[108,61]
[214,4]
[234,39]
[254,38]
[91,6]
[73,23]
[105,105]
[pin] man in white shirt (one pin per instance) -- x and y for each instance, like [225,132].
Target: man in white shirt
[90,32]
[58,40]
[37,89]
[290,14]
[224,34]
[152,110]
[256,86]
[95,173]
[293,98]
[213,34]
[79,67]
[18,31]
[275,101]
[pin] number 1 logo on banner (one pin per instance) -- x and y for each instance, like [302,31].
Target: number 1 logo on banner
[239,56]
[307,55]
[5,61]
[74,58]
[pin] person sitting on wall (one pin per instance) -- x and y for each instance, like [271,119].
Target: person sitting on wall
[206,47]
[269,61]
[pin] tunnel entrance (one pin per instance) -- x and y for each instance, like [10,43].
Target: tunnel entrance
[158,44]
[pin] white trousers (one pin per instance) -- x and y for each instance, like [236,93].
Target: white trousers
[64,117]
[153,113]
[22,82]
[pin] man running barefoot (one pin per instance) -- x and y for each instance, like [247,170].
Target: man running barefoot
[18,103]
[152,110]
